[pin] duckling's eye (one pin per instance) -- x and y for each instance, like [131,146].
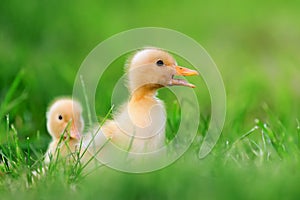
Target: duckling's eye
[159,63]
[60,117]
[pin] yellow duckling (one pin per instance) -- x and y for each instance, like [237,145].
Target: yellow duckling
[139,125]
[65,125]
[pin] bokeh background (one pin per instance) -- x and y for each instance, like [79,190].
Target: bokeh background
[255,45]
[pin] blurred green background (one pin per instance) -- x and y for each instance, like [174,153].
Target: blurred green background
[255,44]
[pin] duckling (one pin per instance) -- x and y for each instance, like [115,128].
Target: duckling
[139,125]
[65,124]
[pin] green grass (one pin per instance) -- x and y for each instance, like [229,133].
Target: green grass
[254,44]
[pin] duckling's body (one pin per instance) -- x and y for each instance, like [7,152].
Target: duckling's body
[64,149]
[65,125]
[139,125]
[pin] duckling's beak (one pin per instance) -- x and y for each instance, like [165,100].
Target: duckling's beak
[74,134]
[182,71]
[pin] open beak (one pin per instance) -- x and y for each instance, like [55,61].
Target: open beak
[182,71]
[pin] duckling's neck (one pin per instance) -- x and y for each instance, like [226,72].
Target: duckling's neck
[145,92]
[145,112]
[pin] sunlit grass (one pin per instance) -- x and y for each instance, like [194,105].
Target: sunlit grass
[269,148]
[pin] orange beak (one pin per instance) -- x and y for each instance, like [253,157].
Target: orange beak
[182,71]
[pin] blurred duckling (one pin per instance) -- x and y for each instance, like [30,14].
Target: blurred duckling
[65,124]
[140,123]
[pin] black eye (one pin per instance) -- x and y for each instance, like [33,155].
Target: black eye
[60,117]
[159,63]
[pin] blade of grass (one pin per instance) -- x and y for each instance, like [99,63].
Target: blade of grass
[5,160]
[268,132]
[94,156]
[7,137]
[256,146]
[54,158]
[98,129]
[298,132]
[11,91]
[91,171]
[90,122]
[131,142]
[80,155]
[243,137]
[19,155]
[28,150]
[61,138]
[16,101]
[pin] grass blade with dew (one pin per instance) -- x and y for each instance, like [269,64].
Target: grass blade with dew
[228,153]
[28,150]
[243,137]
[268,132]
[278,126]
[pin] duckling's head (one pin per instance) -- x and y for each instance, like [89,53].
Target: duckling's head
[62,113]
[154,68]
